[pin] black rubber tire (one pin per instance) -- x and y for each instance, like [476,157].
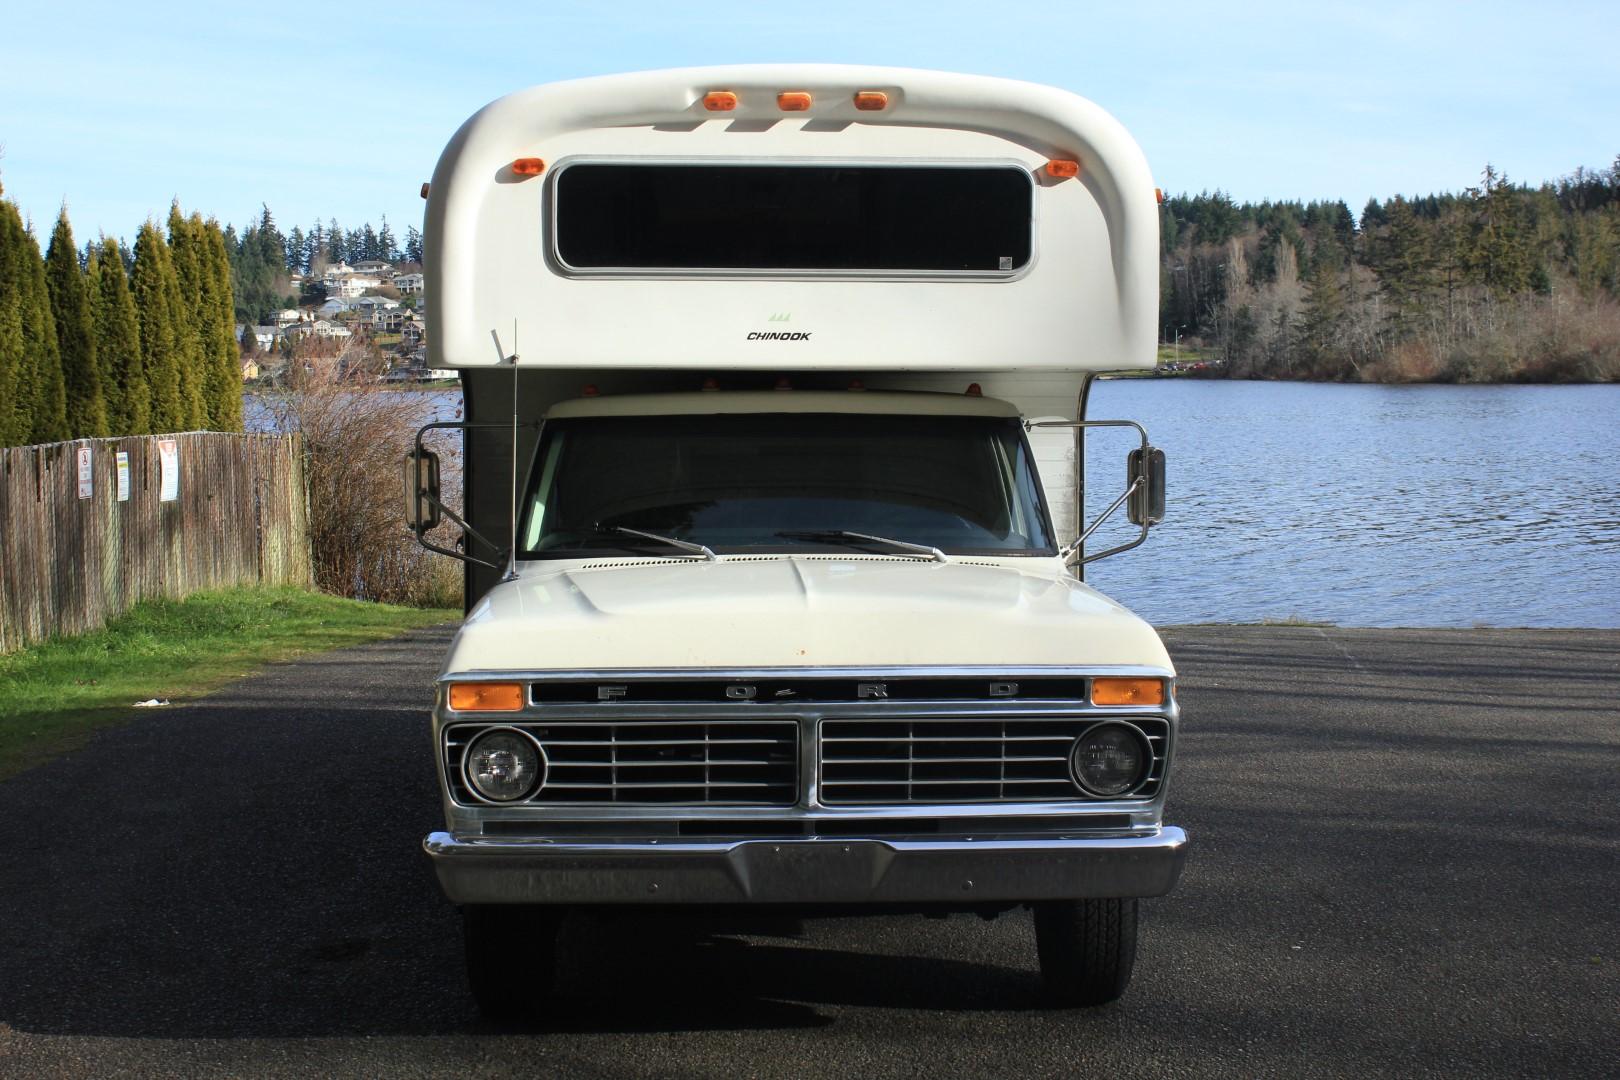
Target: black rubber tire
[1087,949]
[511,957]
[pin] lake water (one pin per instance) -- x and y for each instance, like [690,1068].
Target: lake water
[1363,505]
[1370,505]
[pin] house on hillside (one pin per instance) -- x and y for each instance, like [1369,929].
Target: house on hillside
[368,306]
[286,316]
[352,285]
[409,284]
[374,268]
[321,328]
[392,320]
[341,279]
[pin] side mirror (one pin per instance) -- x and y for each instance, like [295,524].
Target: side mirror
[421,491]
[1147,502]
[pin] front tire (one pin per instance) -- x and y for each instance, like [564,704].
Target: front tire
[511,957]
[1087,949]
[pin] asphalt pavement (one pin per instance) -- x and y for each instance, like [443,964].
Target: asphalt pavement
[1405,861]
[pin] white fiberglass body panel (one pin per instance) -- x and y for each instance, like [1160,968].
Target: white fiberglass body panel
[1086,300]
[772,611]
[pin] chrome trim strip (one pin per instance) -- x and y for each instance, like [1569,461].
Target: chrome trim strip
[892,672]
[807,871]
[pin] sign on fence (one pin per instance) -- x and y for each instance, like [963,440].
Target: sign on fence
[123,476]
[168,470]
[87,482]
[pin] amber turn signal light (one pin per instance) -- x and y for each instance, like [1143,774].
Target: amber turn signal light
[486,696]
[1062,169]
[528,166]
[793,101]
[719,101]
[871,100]
[1113,691]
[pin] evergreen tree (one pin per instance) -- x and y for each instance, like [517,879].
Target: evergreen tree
[151,284]
[413,244]
[334,242]
[1499,256]
[75,335]
[258,270]
[186,303]
[1407,260]
[297,251]
[316,256]
[387,249]
[368,243]
[44,367]
[15,385]
[1323,315]
[273,247]
[1373,215]
[118,345]
[222,361]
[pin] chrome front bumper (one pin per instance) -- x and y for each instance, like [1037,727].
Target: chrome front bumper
[485,870]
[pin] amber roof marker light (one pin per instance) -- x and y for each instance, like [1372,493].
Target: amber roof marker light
[871,100]
[1062,168]
[528,166]
[720,101]
[794,100]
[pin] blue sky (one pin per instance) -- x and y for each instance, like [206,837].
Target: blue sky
[340,110]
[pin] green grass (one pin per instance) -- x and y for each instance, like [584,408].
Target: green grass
[52,695]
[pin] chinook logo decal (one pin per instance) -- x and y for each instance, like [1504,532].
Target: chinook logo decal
[772,335]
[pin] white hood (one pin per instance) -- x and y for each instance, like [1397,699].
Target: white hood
[791,611]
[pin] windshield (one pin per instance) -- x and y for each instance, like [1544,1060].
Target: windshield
[783,482]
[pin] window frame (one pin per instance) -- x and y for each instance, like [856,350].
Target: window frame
[553,251]
[539,469]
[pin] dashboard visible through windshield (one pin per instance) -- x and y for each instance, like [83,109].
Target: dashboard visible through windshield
[783,483]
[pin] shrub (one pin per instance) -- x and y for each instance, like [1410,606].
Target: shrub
[355,437]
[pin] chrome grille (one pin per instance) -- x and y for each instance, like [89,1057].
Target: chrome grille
[657,762]
[873,761]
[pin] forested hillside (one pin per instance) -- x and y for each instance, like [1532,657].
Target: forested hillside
[263,258]
[1503,282]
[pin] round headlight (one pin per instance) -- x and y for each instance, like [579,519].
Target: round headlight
[504,765]
[1110,759]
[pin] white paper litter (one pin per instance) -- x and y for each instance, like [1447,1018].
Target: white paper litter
[152,703]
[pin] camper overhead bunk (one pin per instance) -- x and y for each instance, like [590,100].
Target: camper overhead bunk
[775,385]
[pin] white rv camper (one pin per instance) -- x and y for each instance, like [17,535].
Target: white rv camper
[775,381]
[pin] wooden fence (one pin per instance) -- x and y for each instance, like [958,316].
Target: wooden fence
[80,544]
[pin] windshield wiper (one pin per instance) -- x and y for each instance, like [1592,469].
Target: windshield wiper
[700,550]
[830,536]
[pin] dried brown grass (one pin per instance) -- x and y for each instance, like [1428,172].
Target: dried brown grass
[355,436]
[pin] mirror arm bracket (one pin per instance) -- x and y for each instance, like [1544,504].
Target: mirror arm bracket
[415,524]
[1069,550]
